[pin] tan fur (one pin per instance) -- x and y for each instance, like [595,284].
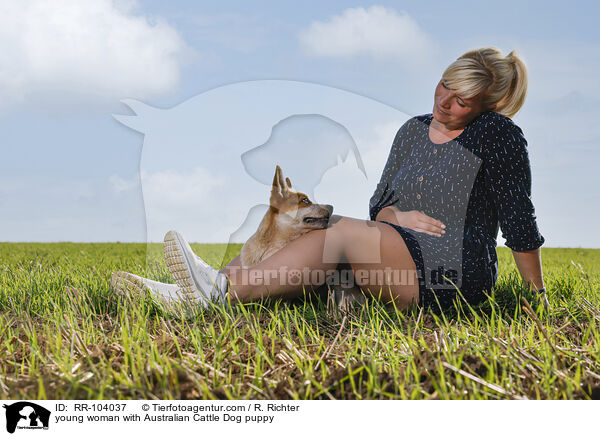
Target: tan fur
[285,221]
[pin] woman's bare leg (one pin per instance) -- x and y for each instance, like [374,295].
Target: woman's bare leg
[235,262]
[366,245]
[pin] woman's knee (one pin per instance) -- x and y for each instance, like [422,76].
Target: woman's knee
[348,229]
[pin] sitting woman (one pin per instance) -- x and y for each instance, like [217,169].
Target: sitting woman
[452,178]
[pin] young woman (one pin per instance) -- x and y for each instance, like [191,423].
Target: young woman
[473,105]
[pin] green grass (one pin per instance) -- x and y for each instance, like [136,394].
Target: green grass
[64,334]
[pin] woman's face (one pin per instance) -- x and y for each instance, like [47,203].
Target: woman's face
[453,111]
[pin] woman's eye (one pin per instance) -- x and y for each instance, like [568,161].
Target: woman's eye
[444,85]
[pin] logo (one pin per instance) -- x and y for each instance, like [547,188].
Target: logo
[26,415]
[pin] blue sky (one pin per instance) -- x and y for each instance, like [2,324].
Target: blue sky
[72,172]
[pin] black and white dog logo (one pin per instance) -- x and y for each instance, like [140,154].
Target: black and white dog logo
[26,415]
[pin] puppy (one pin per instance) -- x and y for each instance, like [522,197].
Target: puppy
[291,214]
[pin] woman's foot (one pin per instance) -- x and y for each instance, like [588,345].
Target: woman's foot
[126,283]
[190,272]
[168,297]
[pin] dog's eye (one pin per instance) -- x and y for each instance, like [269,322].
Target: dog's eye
[305,200]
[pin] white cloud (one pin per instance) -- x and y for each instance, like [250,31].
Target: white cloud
[376,31]
[97,47]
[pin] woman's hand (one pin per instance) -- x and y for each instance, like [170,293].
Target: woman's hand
[413,219]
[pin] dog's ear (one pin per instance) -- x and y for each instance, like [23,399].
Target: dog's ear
[279,187]
[288,182]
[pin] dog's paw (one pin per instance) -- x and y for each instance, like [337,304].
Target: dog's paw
[347,298]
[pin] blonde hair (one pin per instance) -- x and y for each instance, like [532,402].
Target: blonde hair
[501,79]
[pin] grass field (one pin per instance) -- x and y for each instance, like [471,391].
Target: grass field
[65,335]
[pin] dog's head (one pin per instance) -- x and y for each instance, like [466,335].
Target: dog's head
[293,210]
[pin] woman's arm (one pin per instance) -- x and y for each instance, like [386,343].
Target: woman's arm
[507,173]
[387,214]
[529,264]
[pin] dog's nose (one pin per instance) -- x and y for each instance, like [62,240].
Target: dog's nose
[329,208]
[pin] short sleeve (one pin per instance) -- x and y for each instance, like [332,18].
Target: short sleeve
[508,180]
[384,193]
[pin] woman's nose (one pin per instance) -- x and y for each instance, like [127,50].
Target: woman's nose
[444,99]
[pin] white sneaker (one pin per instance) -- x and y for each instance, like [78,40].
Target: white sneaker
[191,273]
[126,283]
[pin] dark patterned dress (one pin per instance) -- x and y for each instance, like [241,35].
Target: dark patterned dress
[474,184]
